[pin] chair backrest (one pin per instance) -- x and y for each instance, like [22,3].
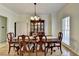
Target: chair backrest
[23,38]
[37,38]
[23,41]
[41,38]
[10,36]
[60,36]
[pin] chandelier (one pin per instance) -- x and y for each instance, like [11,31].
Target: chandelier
[35,17]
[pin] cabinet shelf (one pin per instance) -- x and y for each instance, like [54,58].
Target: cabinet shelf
[36,26]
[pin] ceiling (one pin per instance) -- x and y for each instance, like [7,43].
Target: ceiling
[28,8]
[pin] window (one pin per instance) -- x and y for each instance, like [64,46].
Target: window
[66,30]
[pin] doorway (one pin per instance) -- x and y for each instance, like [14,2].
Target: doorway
[3,29]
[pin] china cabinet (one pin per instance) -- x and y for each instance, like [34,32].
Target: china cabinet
[37,26]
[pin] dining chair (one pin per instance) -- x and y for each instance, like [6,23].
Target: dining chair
[11,41]
[23,44]
[34,43]
[38,44]
[47,45]
[58,43]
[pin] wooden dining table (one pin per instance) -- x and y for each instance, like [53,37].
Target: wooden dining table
[50,39]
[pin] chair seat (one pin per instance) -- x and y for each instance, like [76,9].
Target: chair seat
[57,44]
[16,44]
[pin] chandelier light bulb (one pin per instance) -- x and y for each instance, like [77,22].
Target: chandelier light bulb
[32,18]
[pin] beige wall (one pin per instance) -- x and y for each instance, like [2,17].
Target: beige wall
[46,17]
[54,25]
[14,17]
[11,17]
[71,10]
[49,25]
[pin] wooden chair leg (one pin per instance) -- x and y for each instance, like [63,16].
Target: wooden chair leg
[9,49]
[36,49]
[17,50]
[29,50]
[45,51]
[51,50]
[33,48]
[60,49]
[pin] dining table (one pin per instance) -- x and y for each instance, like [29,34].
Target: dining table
[50,39]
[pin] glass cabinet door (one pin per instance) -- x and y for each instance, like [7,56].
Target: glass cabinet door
[37,26]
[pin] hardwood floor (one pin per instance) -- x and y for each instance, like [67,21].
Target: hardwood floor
[4,52]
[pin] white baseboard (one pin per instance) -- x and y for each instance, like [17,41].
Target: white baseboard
[68,47]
